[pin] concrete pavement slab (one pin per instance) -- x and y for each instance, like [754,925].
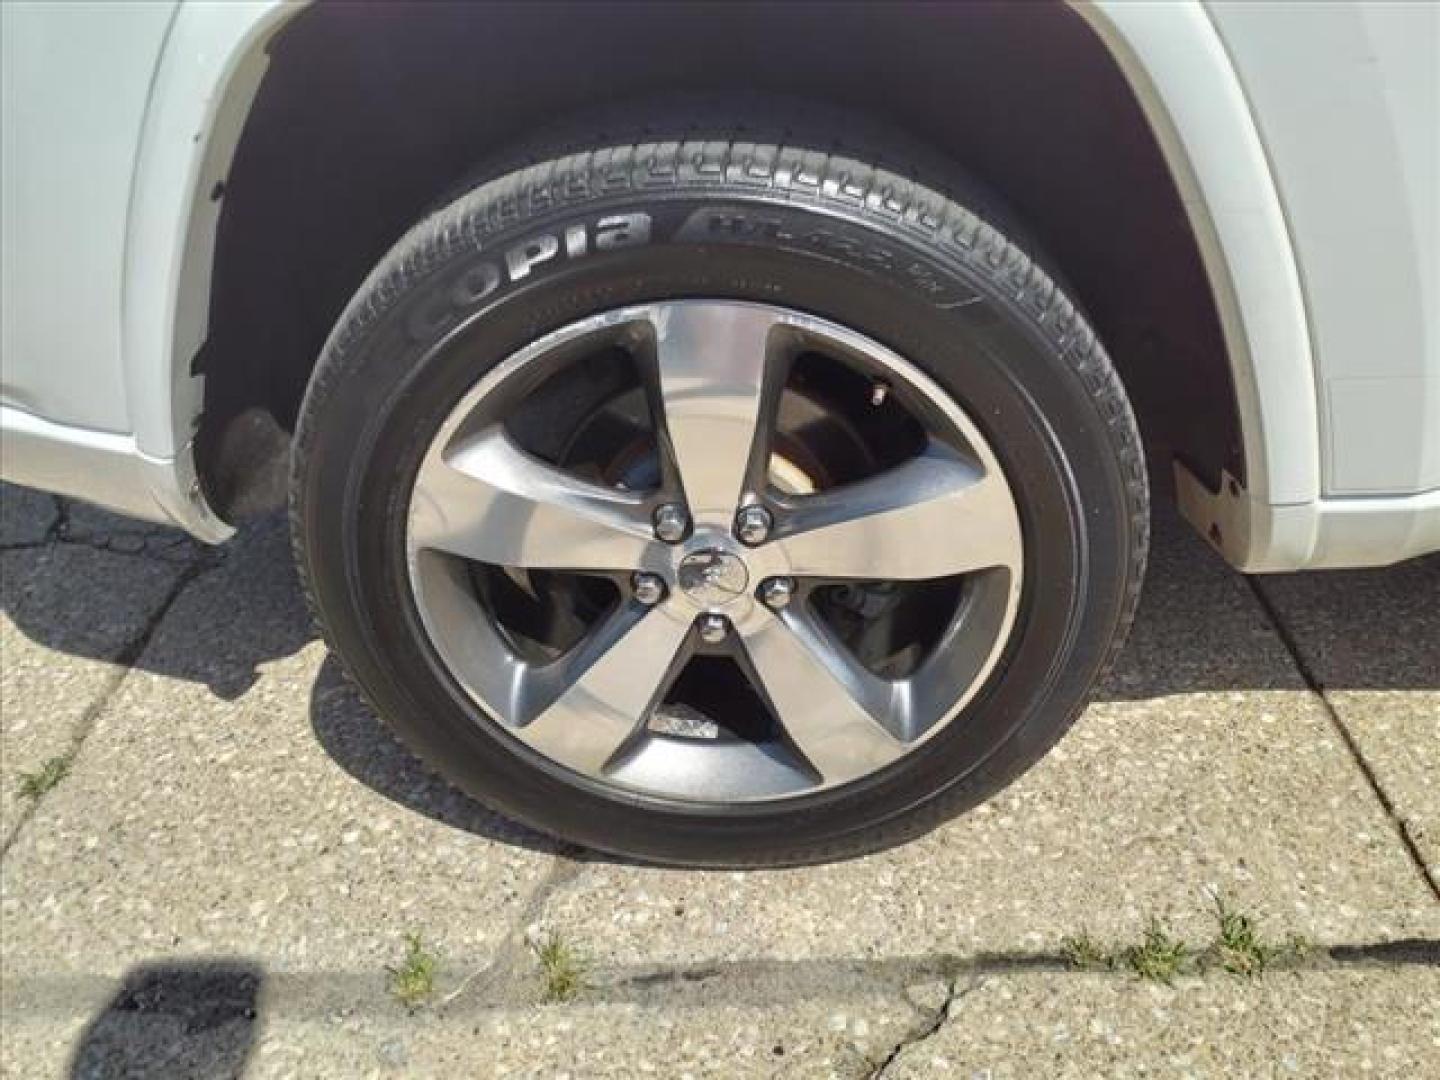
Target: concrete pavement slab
[1371,641]
[222,880]
[807,1039]
[205,817]
[1380,1023]
[69,613]
[228,1019]
[1205,766]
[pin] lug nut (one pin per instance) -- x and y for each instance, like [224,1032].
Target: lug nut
[649,589]
[713,629]
[776,592]
[752,525]
[671,521]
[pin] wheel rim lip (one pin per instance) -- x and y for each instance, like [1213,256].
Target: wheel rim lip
[762,563]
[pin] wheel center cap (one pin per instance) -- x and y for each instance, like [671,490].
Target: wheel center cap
[711,577]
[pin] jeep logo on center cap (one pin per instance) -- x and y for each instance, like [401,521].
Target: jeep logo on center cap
[713,577]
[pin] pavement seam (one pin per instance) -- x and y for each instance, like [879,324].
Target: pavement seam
[1317,687]
[504,971]
[809,977]
[123,663]
[739,983]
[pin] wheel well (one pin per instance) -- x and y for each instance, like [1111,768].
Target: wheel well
[368,114]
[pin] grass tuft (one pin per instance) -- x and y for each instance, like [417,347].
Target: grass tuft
[35,784]
[1237,947]
[1084,953]
[412,981]
[562,968]
[1158,956]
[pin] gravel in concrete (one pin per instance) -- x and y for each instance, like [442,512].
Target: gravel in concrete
[1380,1023]
[223,1019]
[1371,640]
[1205,767]
[806,1039]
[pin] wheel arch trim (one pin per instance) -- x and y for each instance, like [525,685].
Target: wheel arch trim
[1181,75]
[209,71]
[1171,55]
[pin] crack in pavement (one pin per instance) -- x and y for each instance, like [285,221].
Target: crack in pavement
[158,542]
[123,663]
[1317,687]
[927,1030]
[505,963]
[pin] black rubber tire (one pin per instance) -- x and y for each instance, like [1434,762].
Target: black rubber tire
[796,224]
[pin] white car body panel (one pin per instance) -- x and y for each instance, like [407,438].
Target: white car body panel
[121,119]
[68,155]
[1291,218]
[191,70]
[1357,156]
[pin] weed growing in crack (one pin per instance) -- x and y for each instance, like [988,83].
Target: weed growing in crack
[562,968]
[1237,947]
[412,981]
[1084,953]
[1158,956]
[35,784]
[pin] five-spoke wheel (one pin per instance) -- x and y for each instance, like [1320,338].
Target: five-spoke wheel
[717,557]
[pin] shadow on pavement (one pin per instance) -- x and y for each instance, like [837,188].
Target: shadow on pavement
[241,604]
[357,741]
[174,1020]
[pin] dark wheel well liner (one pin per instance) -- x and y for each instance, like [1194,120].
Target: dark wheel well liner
[365,119]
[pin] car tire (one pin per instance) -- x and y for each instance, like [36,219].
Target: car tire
[836,250]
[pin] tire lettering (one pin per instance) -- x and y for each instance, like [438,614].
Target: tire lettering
[867,250]
[622,231]
[521,258]
[612,233]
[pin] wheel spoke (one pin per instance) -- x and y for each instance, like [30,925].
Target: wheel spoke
[820,698]
[712,361]
[931,517]
[488,500]
[587,705]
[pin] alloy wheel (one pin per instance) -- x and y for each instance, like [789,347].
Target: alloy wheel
[656,502]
